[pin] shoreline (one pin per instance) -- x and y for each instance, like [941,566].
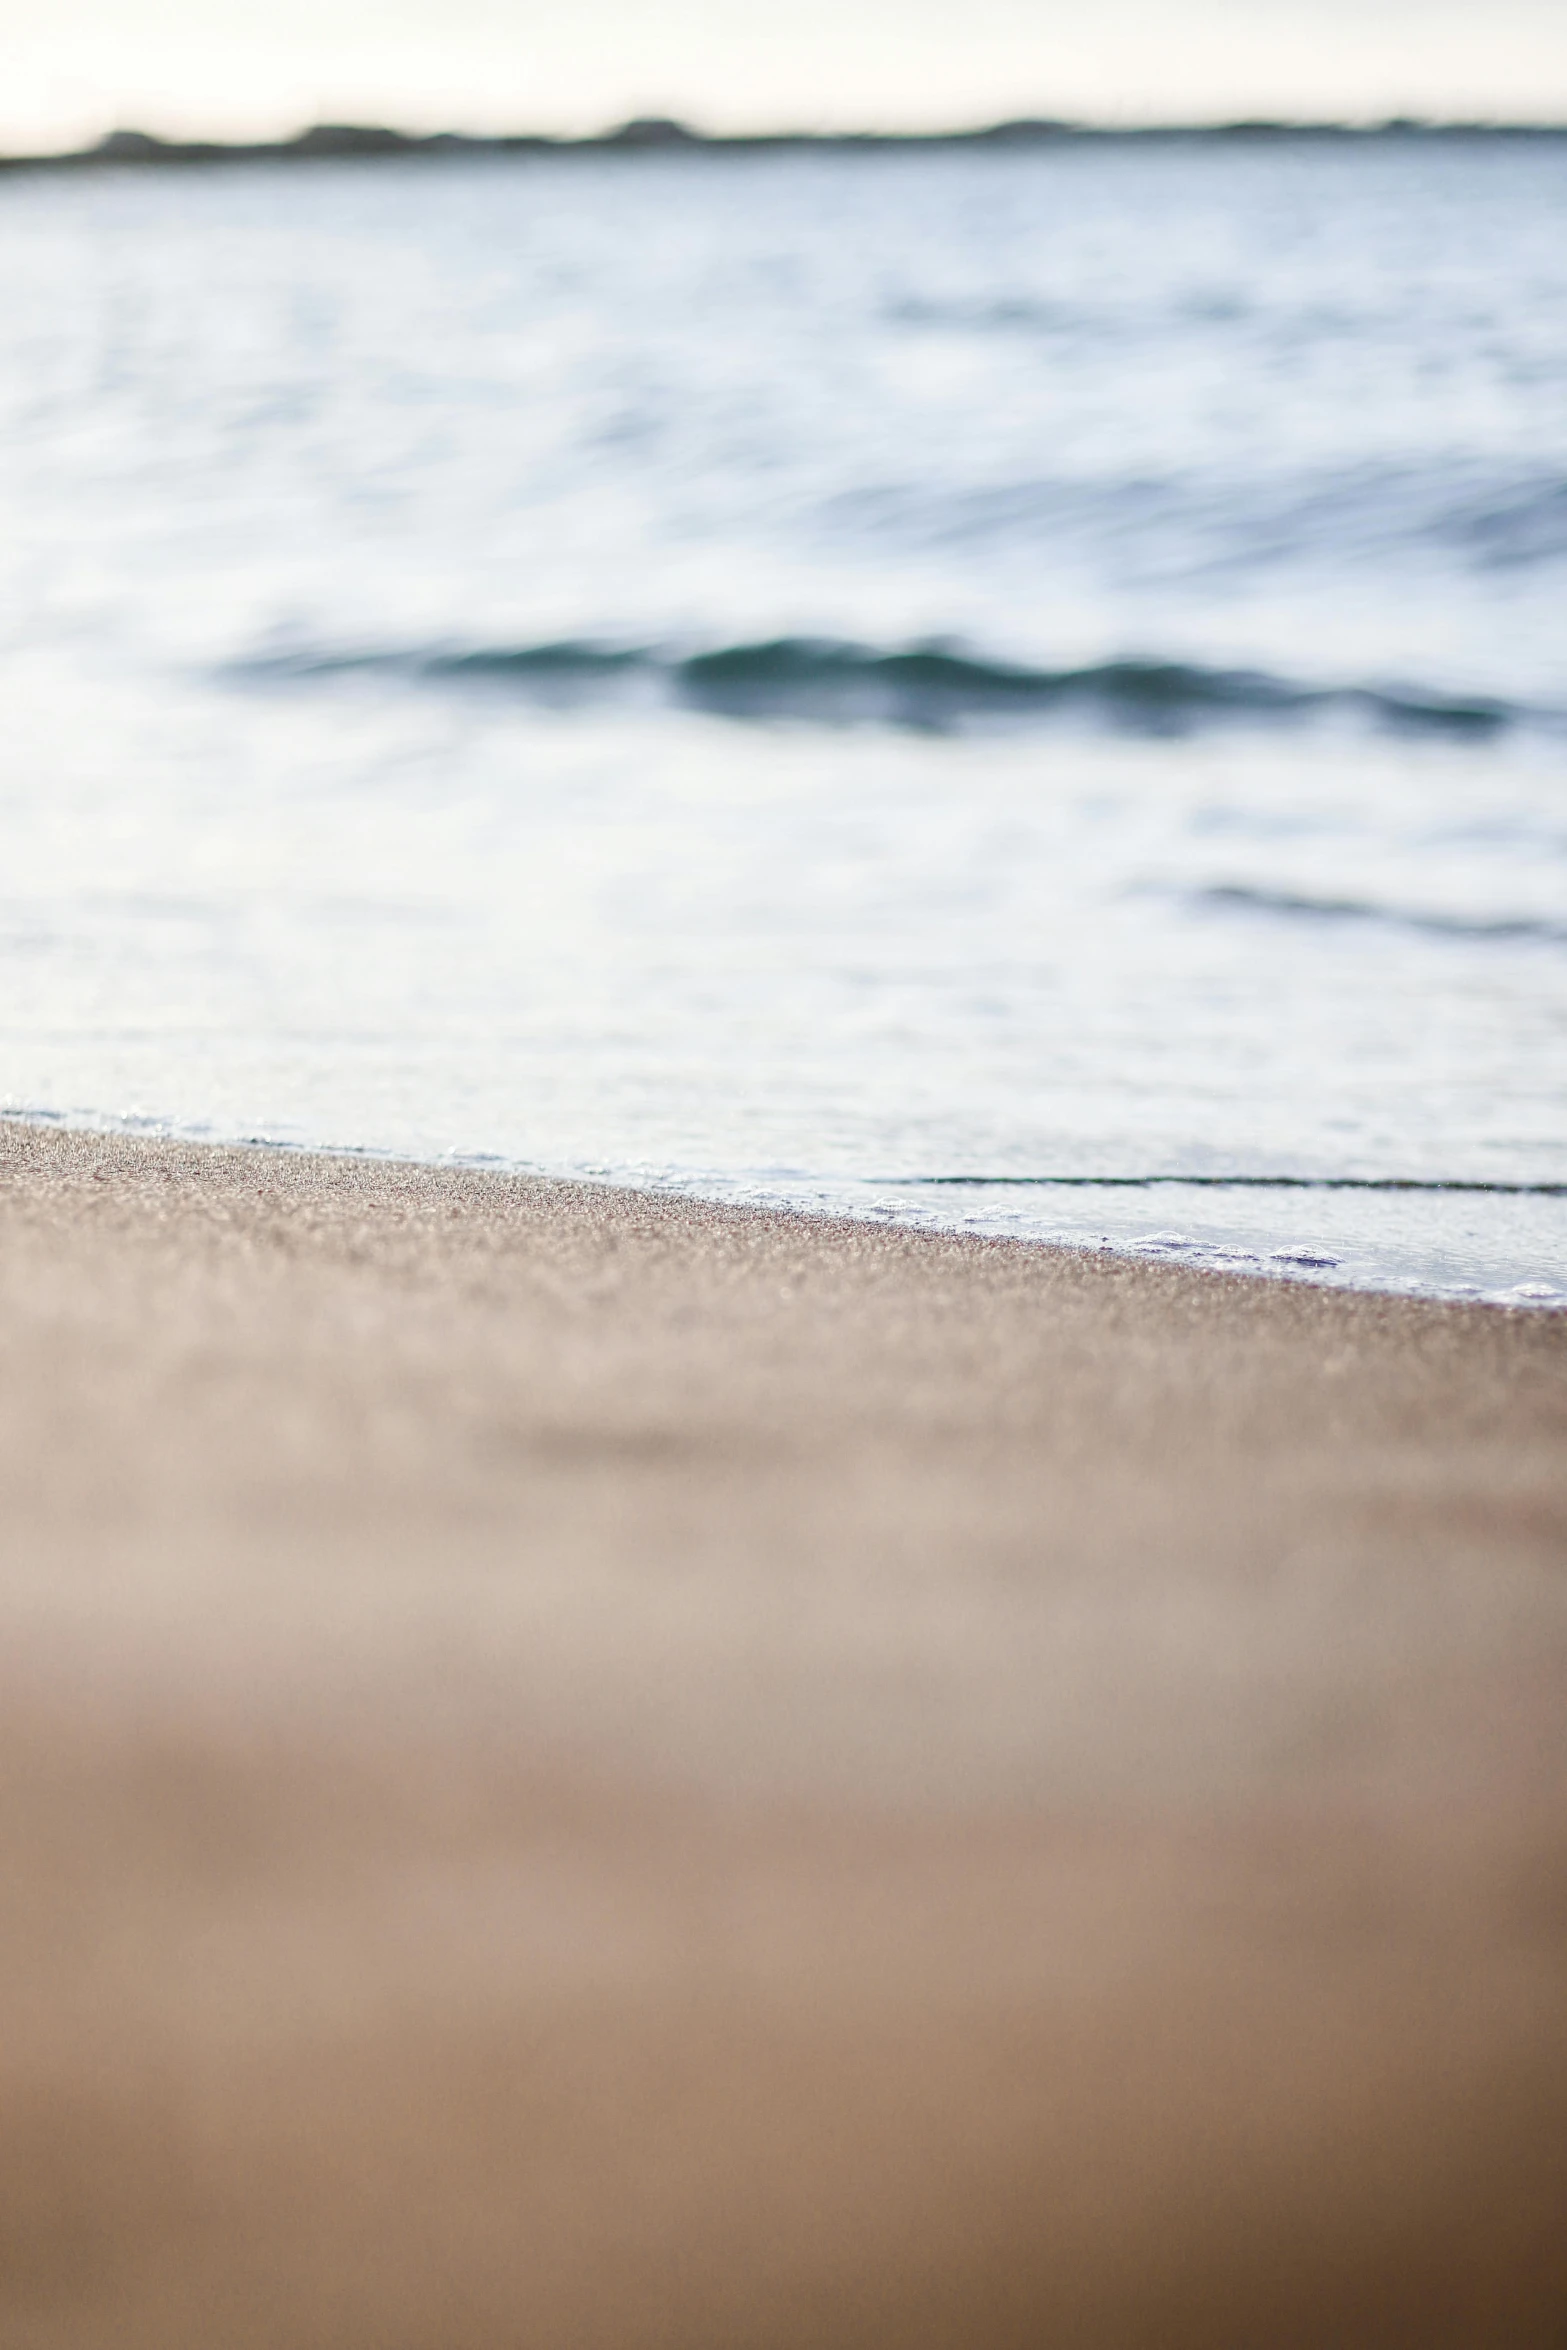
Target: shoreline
[1299,1260]
[588,1767]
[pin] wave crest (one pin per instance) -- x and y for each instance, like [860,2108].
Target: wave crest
[936,686]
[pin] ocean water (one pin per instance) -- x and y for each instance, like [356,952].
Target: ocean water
[1012,688]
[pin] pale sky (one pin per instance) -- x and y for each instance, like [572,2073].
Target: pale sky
[266,67]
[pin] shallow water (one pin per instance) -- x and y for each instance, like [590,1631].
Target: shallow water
[798,675]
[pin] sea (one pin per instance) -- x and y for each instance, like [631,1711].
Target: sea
[1007,686]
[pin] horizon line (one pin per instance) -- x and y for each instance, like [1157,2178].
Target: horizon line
[643,133]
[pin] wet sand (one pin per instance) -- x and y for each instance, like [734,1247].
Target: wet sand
[587,1770]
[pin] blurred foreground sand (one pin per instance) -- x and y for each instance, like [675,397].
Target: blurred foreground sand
[585,1770]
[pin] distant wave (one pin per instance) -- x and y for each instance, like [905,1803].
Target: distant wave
[934,687]
[1325,909]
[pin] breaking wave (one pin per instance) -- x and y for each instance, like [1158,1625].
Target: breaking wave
[933,687]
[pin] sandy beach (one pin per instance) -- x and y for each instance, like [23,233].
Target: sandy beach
[583,1769]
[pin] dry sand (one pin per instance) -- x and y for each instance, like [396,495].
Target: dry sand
[579,1770]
